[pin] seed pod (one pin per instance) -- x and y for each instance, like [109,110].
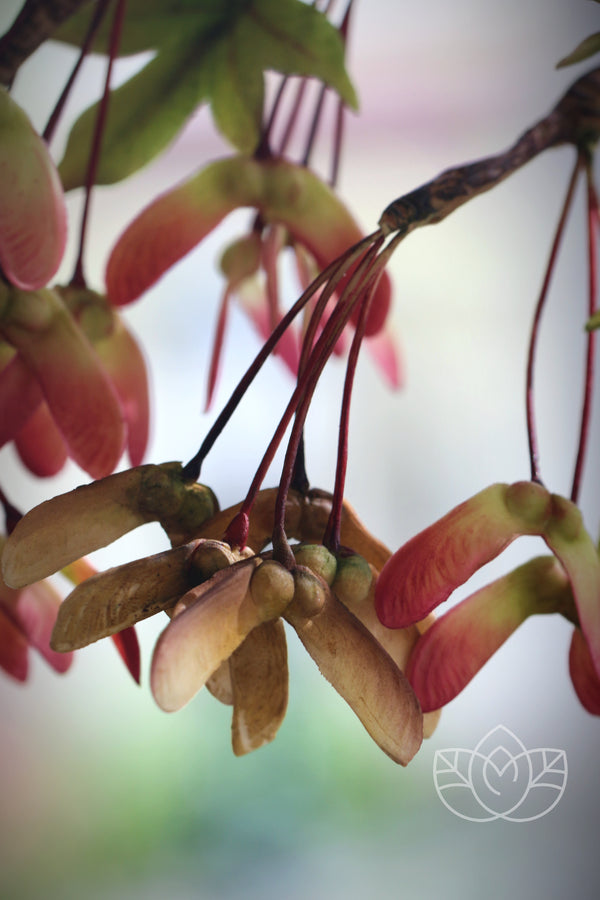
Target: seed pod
[272,589]
[352,580]
[310,593]
[210,557]
[318,559]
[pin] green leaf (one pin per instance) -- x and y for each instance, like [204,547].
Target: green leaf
[213,49]
[582,51]
[144,115]
[237,93]
[294,38]
[148,25]
[284,35]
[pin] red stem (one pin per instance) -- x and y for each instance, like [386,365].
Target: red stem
[215,361]
[593,218]
[331,538]
[529,393]
[301,398]
[78,278]
[338,134]
[56,113]
[332,274]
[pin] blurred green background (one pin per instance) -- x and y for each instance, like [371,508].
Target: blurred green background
[104,796]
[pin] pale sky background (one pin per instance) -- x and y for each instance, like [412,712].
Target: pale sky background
[440,84]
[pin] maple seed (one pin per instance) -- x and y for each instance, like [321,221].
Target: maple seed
[318,559]
[272,589]
[210,557]
[352,580]
[309,594]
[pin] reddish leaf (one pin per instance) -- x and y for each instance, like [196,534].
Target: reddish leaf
[175,223]
[124,362]
[20,395]
[458,645]
[40,444]
[425,571]
[82,400]
[14,650]
[384,350]
[567,538]
[583,675]
[127,644]
[33,220]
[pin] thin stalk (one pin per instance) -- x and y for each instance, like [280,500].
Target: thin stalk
[292,117]
[533,341]
[307,380]
[56,113]
[264,143]
[314,126]
[593,218]
[332,274]
[78,278]
[301,399]
[321,99]
[338,133]
[331,538]
[270,252]
[215,360]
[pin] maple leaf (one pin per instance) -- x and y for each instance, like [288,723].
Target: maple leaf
[214,53]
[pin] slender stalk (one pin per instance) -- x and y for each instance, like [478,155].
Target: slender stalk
[78,278]
[270,251]
[215,360]
[533,341]
[593,218]
[301,398]
[332,274]
[338,133]
[307,380]
[56,113]
[292,117]
[331,538]
[314,126]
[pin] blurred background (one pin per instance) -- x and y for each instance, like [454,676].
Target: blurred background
[101,794]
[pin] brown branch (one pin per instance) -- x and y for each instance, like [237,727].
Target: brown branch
[574,120]
[35,23]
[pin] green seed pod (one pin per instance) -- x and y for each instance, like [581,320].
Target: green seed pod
[272,589]
[180,506]
[353,580]
[318,559]
[241,259]
[309,594]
